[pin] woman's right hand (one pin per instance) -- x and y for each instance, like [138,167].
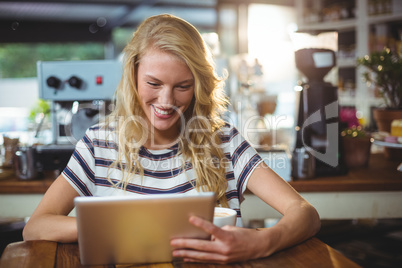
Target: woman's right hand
[49,221]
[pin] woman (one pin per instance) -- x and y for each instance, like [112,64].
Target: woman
[166,135]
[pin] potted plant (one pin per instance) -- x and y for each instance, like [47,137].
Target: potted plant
[356,146]
[385,72]
[39,117]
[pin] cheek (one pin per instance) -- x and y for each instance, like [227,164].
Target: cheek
[185,98]
[144,94]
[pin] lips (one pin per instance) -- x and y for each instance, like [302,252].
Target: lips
[163,113]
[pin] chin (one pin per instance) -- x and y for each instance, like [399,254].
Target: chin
[166,127]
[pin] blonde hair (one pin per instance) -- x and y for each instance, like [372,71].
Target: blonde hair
[178,37]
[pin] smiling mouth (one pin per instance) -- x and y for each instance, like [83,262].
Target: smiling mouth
[163,111]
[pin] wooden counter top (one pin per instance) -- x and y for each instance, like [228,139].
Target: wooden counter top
[380,175]
[12,185]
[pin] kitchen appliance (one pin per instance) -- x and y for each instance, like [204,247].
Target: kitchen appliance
[317,128]
[80,93]
[303,164]
[24,163]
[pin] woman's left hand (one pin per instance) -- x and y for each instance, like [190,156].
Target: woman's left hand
[228,244]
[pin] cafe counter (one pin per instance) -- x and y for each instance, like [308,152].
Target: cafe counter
[371,192]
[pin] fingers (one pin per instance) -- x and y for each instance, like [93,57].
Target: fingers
[197,256]
[207,227]
[198,244]
[197,250]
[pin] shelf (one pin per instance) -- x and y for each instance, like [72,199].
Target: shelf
[346,62]
[356,38]
[385,18]
[346,100]
[341,25]
[388,144]
[376,101]
[348,24]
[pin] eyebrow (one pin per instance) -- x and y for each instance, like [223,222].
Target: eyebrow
[182,82]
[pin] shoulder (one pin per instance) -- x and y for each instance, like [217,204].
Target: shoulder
[102,126]
[228,132]
[100,130]
[99,135]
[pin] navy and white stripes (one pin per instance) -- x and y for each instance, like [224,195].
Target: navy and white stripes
[165,171]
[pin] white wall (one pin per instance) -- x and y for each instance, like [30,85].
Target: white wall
[18,92]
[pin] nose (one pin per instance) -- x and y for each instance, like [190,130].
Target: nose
[166,97]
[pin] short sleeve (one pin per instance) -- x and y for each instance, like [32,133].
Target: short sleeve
[80,170]
[243,157]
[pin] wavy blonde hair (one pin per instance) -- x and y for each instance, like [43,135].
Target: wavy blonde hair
[176,36]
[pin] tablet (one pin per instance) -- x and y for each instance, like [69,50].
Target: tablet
[124,229]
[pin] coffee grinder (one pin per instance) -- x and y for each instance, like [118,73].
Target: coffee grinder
[318,151]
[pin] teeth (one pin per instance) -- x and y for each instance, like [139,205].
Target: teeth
[164,112]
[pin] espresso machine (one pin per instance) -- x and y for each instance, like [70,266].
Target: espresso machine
[80,93]
[318,151]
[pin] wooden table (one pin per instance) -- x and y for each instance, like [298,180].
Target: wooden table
[312,253]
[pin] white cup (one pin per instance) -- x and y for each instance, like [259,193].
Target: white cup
[224,216]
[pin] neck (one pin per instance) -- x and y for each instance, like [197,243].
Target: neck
[162,139]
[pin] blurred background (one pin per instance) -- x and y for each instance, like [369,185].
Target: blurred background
[251,41]
[254,42]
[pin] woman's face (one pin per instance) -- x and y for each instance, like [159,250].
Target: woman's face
[165,87]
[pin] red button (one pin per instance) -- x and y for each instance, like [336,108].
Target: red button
[99,80]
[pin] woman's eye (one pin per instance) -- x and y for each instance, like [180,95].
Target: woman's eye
[183,87]
[153,84]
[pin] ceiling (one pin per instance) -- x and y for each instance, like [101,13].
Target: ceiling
[91,20]
[94,20]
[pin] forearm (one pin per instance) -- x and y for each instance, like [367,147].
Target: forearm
[234,244]
[49,220]
[300,222]
[58,228]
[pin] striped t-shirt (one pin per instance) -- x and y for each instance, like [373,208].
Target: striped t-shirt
[164,172]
